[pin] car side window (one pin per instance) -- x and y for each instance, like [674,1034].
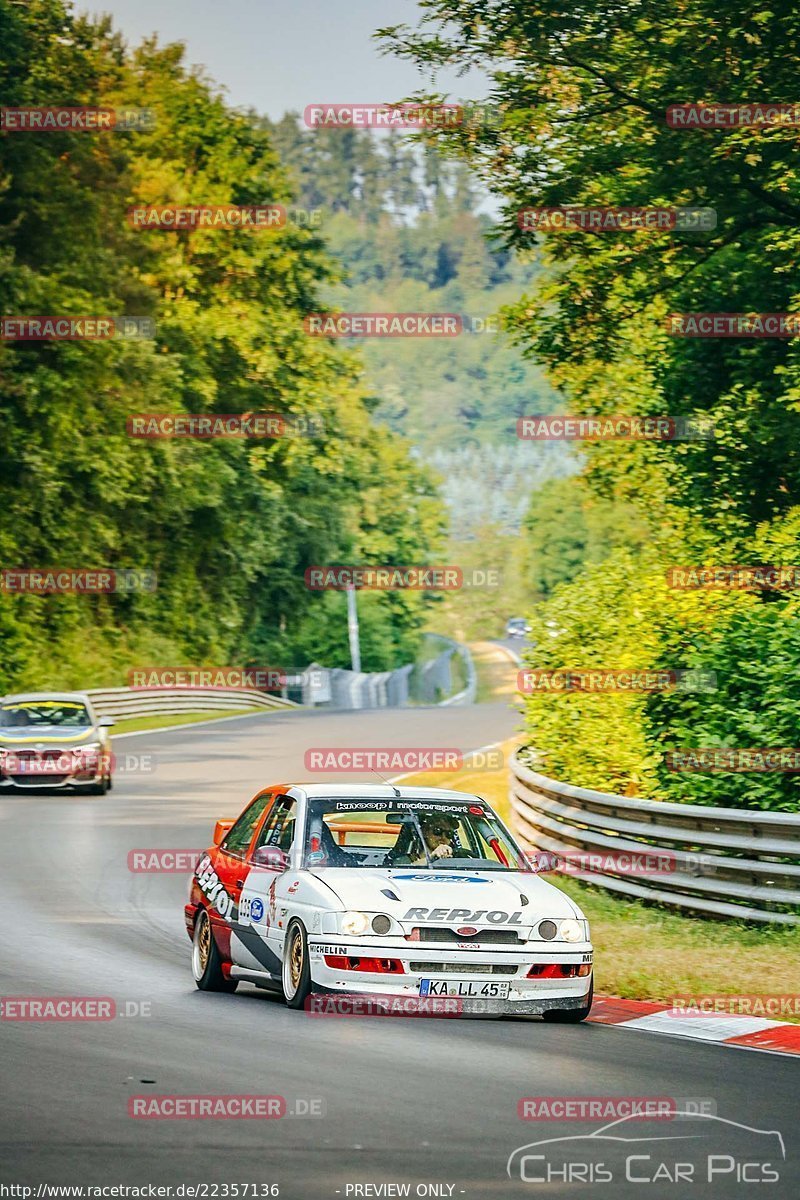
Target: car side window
[278,829]
[240,834]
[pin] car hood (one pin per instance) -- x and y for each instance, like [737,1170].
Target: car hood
[508,892]
[47,736]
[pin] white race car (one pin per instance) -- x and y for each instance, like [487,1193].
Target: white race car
[325,889]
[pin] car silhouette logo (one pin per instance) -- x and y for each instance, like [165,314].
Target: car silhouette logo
[615,1132]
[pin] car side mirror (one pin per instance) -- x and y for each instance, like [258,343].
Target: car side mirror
[106,722]
[272,857]
[221,829]
[543,862]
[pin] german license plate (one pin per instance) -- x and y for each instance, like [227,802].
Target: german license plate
[449,987]
[43,766]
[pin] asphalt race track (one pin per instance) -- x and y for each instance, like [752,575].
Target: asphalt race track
[423,1102]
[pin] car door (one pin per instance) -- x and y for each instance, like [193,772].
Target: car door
[260,930]
[229,862]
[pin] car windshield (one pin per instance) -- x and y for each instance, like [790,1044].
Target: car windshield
[390,833]
[21,714]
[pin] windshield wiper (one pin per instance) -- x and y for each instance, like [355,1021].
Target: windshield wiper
[418,828]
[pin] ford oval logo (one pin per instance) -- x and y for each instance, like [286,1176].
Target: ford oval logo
[467,930]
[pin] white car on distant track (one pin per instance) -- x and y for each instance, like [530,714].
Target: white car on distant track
[390,891]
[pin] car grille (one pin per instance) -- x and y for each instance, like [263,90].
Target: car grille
[437,968]
[35,768]
[36,781]
[484,937]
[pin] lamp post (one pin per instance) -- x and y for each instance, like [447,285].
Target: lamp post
[352,629]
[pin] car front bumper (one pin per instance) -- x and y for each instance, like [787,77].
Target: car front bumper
[38,779]
[476,967]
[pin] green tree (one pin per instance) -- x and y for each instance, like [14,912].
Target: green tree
[228,526]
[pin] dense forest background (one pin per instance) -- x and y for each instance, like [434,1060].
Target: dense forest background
[580,118]
[228,526]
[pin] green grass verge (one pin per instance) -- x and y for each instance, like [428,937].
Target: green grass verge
[646,952]
[136,724]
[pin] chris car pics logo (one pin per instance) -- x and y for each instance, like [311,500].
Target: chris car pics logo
[698,1148]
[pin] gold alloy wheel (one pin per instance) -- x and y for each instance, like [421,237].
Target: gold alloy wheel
[204,942]
[296,960]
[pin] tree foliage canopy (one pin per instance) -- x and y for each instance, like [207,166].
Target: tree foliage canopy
[228,526]
[578,100]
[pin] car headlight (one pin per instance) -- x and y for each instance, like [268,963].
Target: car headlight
[571,930]
[354,923]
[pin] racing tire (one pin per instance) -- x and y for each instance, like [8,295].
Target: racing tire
[206,959]
[571,1016]
[296,966]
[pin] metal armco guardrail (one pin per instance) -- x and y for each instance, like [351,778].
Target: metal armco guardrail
[436,677]
[429,682]
[148,702]
[727,862]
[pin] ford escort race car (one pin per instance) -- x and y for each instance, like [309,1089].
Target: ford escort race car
[390,891]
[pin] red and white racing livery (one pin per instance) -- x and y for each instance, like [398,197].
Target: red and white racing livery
[391,891]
